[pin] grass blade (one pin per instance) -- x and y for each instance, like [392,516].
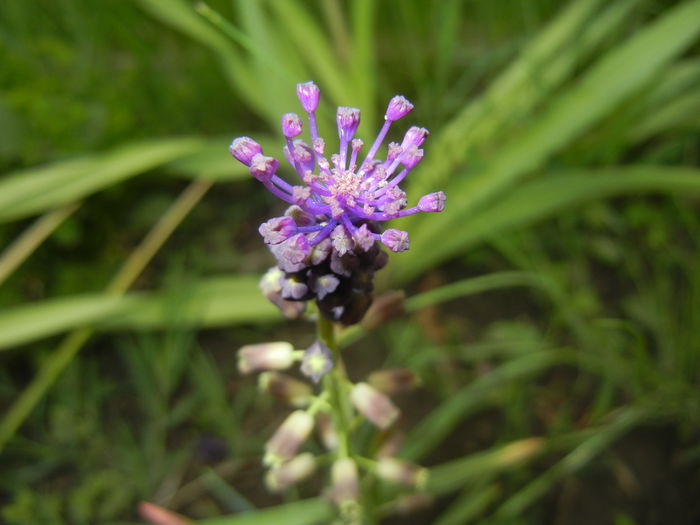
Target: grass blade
[617,75]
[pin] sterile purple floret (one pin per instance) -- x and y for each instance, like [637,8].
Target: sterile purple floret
[327,244]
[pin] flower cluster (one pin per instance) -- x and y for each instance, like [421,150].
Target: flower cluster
[327,242]
[287,463]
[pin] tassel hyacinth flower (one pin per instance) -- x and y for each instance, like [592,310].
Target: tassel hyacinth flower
[327,242]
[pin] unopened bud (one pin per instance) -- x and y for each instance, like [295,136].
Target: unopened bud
[384,308]
[265,356]
[415,136]
[289,473]
[244,149]
[398,107]
[286,388]
[410,503]
[344,479]
[159,516]
[411,157]
[391,445]
[348,120]
[395,240]
[277,229]
[263,168]
[394,381]
[290,435]
[432,202]
[398,471]
[271,287]
[308,94]
[291,125]
[374,405]
[326,431]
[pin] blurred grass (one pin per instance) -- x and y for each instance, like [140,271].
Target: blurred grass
[555,323]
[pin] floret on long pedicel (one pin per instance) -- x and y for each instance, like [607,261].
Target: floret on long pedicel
[337,204]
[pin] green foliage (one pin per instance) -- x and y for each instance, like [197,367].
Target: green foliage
[555,304]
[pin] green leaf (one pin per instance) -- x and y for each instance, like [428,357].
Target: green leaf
[455,474]
[217,301]
[437,425]
[305,512]
[546,196]
[620,73]
[32,191]
[35,321]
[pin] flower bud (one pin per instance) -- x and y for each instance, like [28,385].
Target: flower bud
[291,125]
[286,388]
[395,240]
[244,149]
[393,150]
[277,229]
[364,238]
[265,356]
[294,250]
[326,431]
[301,155]
[290,435]
[160,516]
[344,480]
[411,157]
[398,107]
[384,308]
[263,168]
[432,202]
[391,444]
[374,405]
[324,285]
[398,471]
[342,242]
[415,136]
[409,503]
[348,120]
[294,288]
[308,94]
[271,287]
[317,361]
[285,475]
[394,381]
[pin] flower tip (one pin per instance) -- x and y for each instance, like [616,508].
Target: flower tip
[415,136]
[265,356]
[308,94]
[277,229]
[244,149]
[398,107]
[348,120]
[291,125]
[411,157]
[395,240]
[262,167]
[432,202]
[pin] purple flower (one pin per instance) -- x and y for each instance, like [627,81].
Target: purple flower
[327,242]
[342,193]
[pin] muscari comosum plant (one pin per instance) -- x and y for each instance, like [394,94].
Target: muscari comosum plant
[328,247]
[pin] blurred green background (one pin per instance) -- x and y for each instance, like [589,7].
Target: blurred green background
[553,309]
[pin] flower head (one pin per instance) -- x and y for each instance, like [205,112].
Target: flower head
[329,236]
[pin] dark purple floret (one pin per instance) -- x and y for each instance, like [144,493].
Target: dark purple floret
[328,238]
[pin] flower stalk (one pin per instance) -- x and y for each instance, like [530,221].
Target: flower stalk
[335,385]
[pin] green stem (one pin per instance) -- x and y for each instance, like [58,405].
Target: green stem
[335,386]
